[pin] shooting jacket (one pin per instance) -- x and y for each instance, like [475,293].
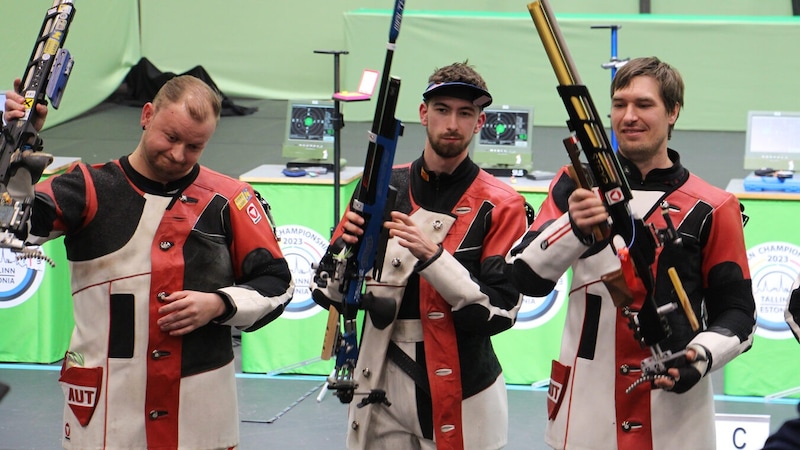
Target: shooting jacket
[461,296]
[129,240]
[599,349]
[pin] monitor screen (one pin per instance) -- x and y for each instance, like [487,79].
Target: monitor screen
[503,145]
[309,132]
[772,140]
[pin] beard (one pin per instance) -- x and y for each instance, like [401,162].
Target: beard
[449,149]
[640,151]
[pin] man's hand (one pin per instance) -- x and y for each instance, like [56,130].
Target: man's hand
[352,223]
[185,311]
[410,236]
[15,108]
[683,378]
[586,210]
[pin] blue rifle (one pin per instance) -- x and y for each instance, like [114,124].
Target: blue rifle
[47,73]
[373,200]
[649,324]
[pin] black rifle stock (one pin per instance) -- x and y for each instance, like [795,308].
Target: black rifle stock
[590,137]
[45,76]
[373,200]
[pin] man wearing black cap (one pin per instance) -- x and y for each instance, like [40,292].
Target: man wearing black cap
[451,229]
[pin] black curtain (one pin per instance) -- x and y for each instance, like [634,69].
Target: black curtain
[144,80]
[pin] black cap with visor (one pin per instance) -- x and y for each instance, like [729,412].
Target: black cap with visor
[478,96]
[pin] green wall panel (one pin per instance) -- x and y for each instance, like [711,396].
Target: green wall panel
[103,40]
[731,52]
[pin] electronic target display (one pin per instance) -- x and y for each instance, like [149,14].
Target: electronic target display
[503,147]
[310,132]
[311,122]
[505,127]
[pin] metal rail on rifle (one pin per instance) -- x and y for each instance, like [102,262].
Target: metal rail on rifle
[373,200]
[605,173]
[46,75]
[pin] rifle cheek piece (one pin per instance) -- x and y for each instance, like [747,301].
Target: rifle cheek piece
[381,309]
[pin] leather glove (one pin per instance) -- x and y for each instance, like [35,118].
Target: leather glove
[692,372]
[25,173]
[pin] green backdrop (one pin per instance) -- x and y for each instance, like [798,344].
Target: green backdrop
[732,52]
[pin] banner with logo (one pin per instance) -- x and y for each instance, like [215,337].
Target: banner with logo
[36,319]
[771,367]
[35,306]
[292,343]
[528,348]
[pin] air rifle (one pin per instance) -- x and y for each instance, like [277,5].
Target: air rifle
[46,74]
[373,200]
[649,324]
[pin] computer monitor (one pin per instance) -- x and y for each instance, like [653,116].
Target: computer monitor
[309,133]
[503,147]
[772,140]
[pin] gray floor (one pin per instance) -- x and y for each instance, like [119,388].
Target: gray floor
[30,414]
[276,412]
[283,412]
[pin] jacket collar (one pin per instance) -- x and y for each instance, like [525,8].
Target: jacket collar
[154,187]
[670,177]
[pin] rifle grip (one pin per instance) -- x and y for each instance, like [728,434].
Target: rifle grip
[620,293]
[599,231]
[331,333]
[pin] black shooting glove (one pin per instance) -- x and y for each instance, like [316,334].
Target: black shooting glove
[691,372]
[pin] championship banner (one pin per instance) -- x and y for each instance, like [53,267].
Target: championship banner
[36,319]
[527,350]
[770,368]
[291,343]
[35,306]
